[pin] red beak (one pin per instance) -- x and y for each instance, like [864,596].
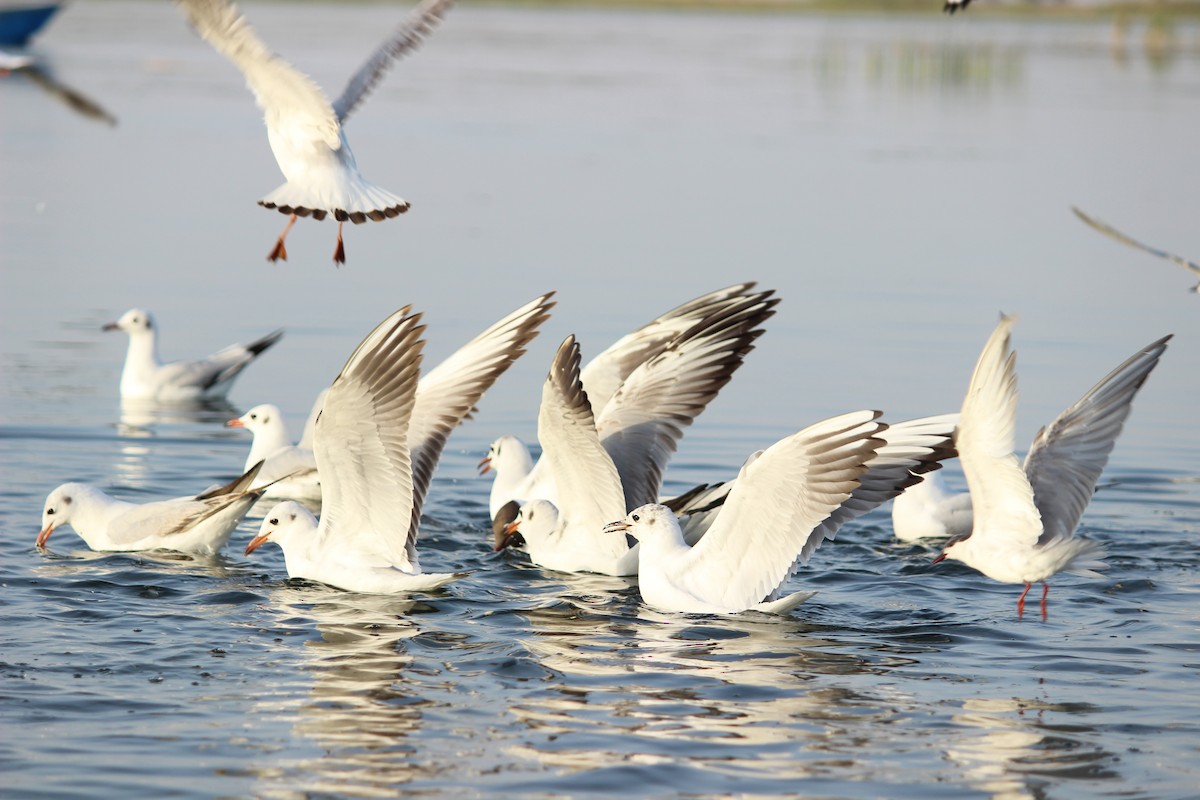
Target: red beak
[485,466]
[44,535]
[510,530]
[256,543]
[941,557]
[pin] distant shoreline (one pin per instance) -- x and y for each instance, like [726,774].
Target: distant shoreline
[980,8]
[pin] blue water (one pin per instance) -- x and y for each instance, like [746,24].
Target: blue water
[898,181]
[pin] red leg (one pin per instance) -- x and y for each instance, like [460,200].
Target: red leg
[1021,601]
[339,255]
[279,251]
[1045,591]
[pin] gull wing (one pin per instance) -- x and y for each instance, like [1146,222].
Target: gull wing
[310,424]
[589,488]
[642,425]
[166,518]
[361,444]
[1069,454]
[238,485]
[281,91]
[448,394]
[222,366]
[406,38]
[605,373]
[1000,492]
[1110,231]
[777,504]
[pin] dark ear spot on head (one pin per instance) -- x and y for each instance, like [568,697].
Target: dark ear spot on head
[67,501]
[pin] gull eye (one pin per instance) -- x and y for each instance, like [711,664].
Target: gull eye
[49,512]
[275,521]
[254,416]
[635,517]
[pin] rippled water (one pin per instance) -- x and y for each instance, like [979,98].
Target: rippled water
[898,181]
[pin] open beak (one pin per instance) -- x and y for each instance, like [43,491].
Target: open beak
[112,326]
[485,466]
[44,535]
[257,542]
[620,526]
[509,536]
[236,422]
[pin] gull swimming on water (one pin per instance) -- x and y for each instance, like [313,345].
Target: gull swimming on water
[146,377]
[200,524]
[929,510]
[517,476]
[303,127]
[288,470]
[1112,232]
[787,500]
[378,439]
[1025,516]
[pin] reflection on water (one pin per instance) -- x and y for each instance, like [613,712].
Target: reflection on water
[358,709]
[915,65]
[41,75]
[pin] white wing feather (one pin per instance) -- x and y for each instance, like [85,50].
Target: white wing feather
[361,444]
[778,501]
[1069,454]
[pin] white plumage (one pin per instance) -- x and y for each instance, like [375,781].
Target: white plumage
[288,471]
[303,127]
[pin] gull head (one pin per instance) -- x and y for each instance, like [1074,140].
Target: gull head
[287,525]
[61,505]
[533,524]
[955,549]
[257,419]
[507,452]
[134,321]
[648,523]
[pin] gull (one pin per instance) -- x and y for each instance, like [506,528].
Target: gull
[1025,515]
[303,127]
[378,438]
[604,465]
[288,470]
[1110,231]
[951,6]
[786,501]
[146,377]
[517,476]
[929,510]
[200,525]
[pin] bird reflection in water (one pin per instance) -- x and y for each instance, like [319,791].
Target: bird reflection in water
[361,708]
[39,72]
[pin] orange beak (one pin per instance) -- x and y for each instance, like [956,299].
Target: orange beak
[236,422]
[506,535]
[256,542]
[940,558]
[485,466]
[44,535]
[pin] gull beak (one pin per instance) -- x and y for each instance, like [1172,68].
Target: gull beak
[941,557]
[509,536]
[112,326]
[44,534]
[620,526]
[236,422]
[257,542]
[485,466]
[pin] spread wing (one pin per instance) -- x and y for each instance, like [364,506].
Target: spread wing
[605,373]
[1110,231]
[406,38]
[310,425]
[589,488]
[1069,454]
[361,444]
[282,91]
[642,425]
[449,392]
[1000,493]
[777,506]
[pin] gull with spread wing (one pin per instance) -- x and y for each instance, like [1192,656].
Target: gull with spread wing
[786,501]
[378,438]
[303,127]
[605,464]
[517,477]
[1025,516]
[146,377]
[200,525]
